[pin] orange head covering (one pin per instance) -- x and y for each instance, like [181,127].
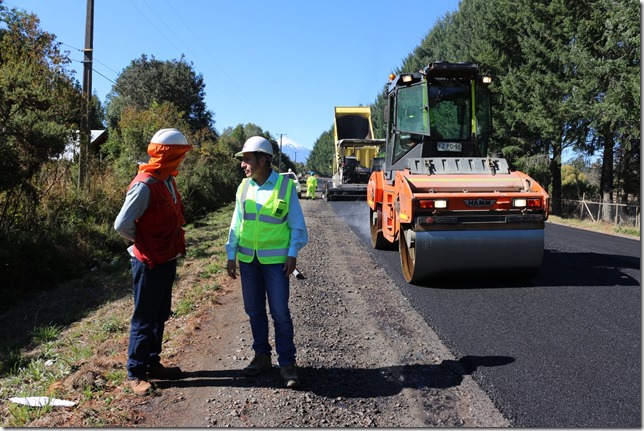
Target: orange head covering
[167,149]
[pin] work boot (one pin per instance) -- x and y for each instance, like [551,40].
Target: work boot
[161,372]
[261,362]
[140,387]
[289,374]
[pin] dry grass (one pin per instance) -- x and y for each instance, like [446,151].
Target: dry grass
[71,342]
[599,226]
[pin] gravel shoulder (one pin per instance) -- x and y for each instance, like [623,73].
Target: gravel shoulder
[366,358]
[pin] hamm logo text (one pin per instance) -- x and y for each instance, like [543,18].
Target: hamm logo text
[479,203]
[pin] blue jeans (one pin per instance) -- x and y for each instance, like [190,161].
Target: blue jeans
[152,290]
[260,282]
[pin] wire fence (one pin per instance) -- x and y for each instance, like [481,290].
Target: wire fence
[620,214]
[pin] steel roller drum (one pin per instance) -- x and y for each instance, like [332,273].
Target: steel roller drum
[441,253]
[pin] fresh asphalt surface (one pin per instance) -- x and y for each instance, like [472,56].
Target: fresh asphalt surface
[561,350]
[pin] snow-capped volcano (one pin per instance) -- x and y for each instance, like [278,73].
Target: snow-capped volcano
[296,152]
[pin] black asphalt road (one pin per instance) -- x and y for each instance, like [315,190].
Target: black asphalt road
[563,350]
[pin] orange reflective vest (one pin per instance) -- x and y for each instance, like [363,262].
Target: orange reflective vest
[159,234]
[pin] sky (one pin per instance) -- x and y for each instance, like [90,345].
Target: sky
[280,64]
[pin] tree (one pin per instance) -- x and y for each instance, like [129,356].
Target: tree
[432,48]
[538,82]
[127,145]
[569,77]
[574,181]
[208,179]
[321,157]
[606,61]
[39,109]
[232,140]
[146,81]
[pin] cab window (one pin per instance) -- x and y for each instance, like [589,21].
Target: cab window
[410,110]
[450,111]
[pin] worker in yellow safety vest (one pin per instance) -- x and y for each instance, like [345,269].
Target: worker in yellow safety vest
[311,186]
[266,233]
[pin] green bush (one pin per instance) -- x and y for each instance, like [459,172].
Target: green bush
[207,182]
[68,233]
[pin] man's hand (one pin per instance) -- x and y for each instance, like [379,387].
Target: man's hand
[289,266]
[232,269]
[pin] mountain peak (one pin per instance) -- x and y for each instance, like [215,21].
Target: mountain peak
[295,151]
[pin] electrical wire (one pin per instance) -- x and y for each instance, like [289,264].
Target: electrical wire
[94,70]
[94,59]
[168,29]
[212,57]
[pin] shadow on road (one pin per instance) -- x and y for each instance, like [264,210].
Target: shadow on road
[336,382]
[557,269]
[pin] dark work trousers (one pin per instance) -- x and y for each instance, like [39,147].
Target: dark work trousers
[262,282]
[152,290]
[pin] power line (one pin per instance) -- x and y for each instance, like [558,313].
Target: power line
[73,47]
[106,66]
[81,62]
[168,28]
[155,26]
[212,57]
[95,59]
[103,76]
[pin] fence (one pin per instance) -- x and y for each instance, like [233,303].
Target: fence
[620,214]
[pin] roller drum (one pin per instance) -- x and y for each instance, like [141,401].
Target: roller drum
[431,254]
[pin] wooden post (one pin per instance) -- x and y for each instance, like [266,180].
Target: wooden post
[86,132]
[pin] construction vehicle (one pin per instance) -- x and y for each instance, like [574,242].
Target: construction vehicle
[449,206]
[355,153]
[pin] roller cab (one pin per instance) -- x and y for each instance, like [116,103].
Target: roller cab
[440,199]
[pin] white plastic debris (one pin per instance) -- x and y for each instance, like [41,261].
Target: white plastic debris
[41,402]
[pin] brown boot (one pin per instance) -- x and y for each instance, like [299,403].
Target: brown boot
[140,387]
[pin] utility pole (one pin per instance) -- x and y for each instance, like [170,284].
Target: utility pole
[86,132]
[279,154]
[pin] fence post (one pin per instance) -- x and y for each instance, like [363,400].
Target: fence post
[581,207]
[637,217]
[617,215]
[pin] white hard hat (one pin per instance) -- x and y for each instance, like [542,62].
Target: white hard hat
[169,137]
[256,143]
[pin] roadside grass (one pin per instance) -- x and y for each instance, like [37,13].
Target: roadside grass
[597,226]
[71,342]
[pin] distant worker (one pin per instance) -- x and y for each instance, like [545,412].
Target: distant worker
[152,218]
[266,233]
[311,186]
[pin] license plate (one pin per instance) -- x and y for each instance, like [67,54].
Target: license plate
[450,146]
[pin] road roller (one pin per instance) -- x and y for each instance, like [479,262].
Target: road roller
[449,206]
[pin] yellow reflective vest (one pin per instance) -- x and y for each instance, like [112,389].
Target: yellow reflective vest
[265,234]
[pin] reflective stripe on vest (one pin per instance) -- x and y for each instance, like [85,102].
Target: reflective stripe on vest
[265,234]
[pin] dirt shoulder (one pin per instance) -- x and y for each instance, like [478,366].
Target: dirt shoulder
[365,357]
